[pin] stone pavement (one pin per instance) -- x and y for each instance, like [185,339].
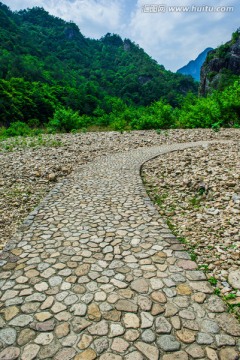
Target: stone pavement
[95,273]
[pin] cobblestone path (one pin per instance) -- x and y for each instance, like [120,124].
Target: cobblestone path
[95,273]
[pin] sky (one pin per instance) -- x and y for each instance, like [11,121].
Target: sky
[173,33]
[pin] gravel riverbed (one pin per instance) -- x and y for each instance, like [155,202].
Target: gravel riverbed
[197,191]
[199,188]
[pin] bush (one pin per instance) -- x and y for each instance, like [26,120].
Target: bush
[18,128]
[156,116]
[65,120]
[220,109]
[119,125]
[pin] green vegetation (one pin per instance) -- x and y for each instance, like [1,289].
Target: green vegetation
[212,280]
[53,79]
[203,267]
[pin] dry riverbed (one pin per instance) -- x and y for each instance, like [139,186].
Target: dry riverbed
[197,190]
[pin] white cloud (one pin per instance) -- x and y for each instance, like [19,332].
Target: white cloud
[172,38]
[95,18]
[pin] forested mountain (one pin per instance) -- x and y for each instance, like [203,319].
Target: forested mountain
[53,78]
[46,61]
[193,68]
[222,66]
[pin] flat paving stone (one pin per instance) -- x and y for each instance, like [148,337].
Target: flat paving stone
[97,274]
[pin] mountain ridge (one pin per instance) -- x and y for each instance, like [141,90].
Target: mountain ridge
[80,73]
[193,67]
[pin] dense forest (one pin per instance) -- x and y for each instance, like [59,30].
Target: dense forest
[54,79]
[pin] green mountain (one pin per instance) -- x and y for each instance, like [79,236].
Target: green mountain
[222,66]
[46,62]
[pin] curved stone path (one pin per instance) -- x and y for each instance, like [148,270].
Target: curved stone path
[94,273]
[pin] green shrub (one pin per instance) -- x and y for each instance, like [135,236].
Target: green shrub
[65,120]
[18,128]
[119,125]
[219,109]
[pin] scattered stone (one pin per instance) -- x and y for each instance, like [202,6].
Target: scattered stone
[21,320]
[43,316]
[224,340]
[10,353]
[25,337]
[57,307]
[66,354]
[215,304]
[99,329]
[229,324]
[170,309]
[234,279]
[201,286]
[149,351]
[88,354]
[135,355]
[94,312]
[179,355]
[195,351]
[30,352]
[187,264]
[79,324]
[157,309]
[82,270]
[144,303]
[184,289]
[163,326]
[199,297]
[146,320]
[10,313]
[159,296]
[119,345]
[204,339]
[107,356]
[49,350]
[62,330]
[211,354]
[45,326]
[131,335]
[185,335]
[116,330]
[168,343]
[228,354]
[126,305]
[44,339]
[101,345]
[209,326]
[140,285]
[148,336]
[131,321]
[8,336]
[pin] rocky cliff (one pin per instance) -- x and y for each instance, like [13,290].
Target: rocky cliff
[222,66]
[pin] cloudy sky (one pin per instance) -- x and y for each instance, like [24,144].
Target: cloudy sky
[169,36]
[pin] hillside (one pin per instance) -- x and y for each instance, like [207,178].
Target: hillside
[57,64]
[193,68]
[222,66]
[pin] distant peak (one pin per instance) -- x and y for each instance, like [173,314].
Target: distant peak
[193,68]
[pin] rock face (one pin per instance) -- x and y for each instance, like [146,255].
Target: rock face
[234,279]
[221,65]
[193,68]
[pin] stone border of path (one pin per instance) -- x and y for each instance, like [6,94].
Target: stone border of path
[122,287]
